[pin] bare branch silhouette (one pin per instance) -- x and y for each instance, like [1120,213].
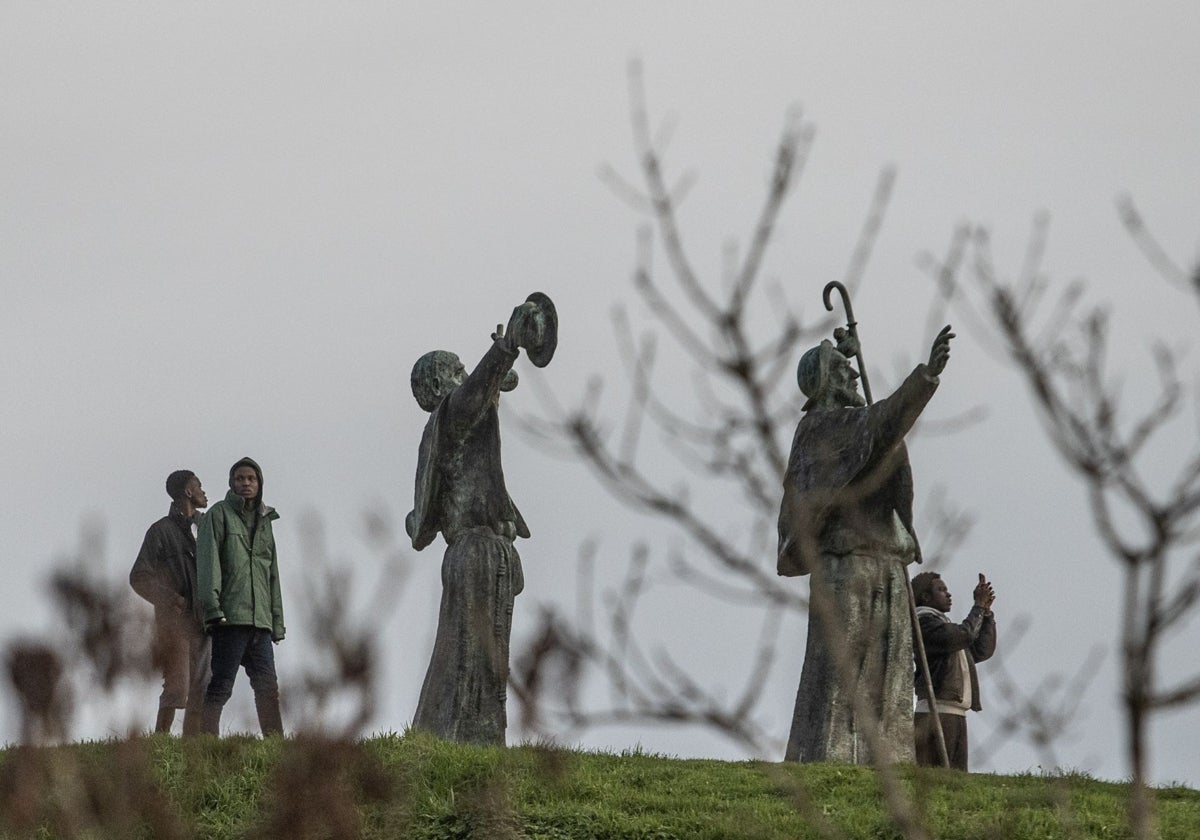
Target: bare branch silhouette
[1145,516]
[729,435]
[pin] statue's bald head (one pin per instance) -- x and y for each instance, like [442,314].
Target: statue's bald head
[435,375]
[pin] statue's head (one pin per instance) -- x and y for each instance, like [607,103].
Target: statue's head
[827,378]
[435,375]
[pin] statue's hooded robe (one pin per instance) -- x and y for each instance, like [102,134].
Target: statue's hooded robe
[460,492]
[846,520]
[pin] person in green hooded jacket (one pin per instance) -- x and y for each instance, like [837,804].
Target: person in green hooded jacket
[237,578]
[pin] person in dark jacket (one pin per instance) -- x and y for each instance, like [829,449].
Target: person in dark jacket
[237,573]
[952,651]
[164,573]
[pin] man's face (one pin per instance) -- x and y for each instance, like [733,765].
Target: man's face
[843,382]
[245,482]
[194,493]
[939,597]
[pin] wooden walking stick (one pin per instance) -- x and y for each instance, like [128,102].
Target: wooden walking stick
[918,638]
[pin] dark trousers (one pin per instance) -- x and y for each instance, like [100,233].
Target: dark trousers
[249,648]
[954,730]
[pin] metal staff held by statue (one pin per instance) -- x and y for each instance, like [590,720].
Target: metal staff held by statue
[918,638]
[851,328]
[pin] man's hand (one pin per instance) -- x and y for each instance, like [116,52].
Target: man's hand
[984,594]
[939,354]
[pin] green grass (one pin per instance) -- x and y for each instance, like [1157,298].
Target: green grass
[415,786]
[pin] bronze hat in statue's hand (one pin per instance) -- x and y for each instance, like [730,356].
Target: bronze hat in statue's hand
[534,326]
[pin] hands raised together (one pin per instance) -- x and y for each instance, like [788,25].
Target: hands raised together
[984,594]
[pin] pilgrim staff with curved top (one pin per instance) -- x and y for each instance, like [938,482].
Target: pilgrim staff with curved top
[846,518]
[850,330]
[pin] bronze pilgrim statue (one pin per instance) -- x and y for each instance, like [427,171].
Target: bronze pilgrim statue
[460,492]
[846,522]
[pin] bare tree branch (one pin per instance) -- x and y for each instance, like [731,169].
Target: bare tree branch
[1066,369]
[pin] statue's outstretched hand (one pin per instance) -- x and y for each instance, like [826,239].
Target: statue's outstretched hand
[939,354]
[517,327]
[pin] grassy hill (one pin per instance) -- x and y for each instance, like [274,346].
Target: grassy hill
[414,786]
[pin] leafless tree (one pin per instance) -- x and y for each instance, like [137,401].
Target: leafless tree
[336,694]
[103,644]
[102,649]
[730,431]
[1146,517]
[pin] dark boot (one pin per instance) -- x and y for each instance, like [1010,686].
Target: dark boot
[210,719]
[166,717]
[269,718]
[193,721]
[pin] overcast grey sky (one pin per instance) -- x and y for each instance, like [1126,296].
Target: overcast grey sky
[230,230]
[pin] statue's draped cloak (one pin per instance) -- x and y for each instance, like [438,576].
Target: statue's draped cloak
[846,520]
[464,426]
[460,492]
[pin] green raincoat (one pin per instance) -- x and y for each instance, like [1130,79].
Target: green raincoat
[237,570]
